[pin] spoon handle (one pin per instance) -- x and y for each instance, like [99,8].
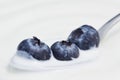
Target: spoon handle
[108,25]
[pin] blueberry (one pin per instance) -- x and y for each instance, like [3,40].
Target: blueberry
[85,37]
[36,48]
[64,50]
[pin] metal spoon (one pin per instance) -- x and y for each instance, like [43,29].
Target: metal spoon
[86,56]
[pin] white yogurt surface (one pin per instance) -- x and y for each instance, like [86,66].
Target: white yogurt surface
[52,21]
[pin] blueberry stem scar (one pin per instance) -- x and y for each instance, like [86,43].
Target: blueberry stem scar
[108,26]
[37,40]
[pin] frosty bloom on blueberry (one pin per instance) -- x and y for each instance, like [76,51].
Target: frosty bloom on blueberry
[85,37]
[35,48]
[64,50]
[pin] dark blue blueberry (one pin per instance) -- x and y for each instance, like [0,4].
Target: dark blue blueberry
[36,48]
[85,37]
[64,50]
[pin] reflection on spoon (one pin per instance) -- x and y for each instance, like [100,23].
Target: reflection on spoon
[24,59]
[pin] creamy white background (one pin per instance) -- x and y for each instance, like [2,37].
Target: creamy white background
[52,20]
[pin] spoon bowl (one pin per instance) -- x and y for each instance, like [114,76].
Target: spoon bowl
[32,64]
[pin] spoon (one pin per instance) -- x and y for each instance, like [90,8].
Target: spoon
[32,64]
